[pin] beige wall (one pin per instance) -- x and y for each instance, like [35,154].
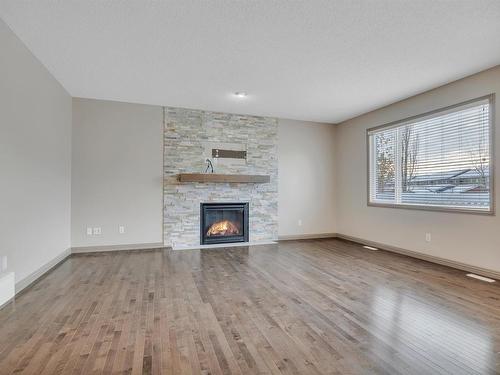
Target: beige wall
[35,162]
[117,173]
[306,178]
[467,238]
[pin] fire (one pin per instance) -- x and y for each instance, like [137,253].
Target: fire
[223,228]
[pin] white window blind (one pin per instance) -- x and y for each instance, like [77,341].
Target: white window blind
[441,160]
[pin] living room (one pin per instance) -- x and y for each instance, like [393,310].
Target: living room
[212,187]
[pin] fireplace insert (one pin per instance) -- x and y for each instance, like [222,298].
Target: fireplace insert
[223,223]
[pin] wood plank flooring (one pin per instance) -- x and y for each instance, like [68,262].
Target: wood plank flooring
[300,307]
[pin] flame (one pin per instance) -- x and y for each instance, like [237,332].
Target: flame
[223,228]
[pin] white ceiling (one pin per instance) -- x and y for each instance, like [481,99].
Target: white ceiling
[310,60]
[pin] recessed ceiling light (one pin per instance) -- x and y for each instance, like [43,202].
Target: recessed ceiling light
[240,94]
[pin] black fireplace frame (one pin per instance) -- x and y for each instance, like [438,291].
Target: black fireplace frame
[204,240]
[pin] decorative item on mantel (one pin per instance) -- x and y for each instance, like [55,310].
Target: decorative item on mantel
[209,166]
[228,154]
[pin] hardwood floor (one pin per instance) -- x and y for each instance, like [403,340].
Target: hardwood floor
[299,307]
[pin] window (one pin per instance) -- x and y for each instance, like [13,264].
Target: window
[441,160]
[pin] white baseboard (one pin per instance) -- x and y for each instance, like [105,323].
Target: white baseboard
[429,258]
[105,248]
[291,237]
[30,279]
[220,245]
[7,287]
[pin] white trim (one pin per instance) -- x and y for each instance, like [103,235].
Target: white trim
[7,288]
[311,236]
[34,276]
[104,248]
[429,258]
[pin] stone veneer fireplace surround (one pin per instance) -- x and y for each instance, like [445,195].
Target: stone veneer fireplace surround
[189,137]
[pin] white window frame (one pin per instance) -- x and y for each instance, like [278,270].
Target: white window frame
[371,160]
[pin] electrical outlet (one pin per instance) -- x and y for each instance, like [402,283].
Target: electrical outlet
[428,237]
[299,222]
[97,231]
[89,231]
[3,264]
[121,229]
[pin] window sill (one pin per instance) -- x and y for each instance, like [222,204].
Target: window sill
[459,210]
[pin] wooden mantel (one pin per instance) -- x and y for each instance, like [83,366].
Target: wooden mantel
[214,177]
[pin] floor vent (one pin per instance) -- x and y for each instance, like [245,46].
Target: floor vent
[482,278]
[370,248]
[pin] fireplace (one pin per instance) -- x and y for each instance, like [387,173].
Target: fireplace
[223,223]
